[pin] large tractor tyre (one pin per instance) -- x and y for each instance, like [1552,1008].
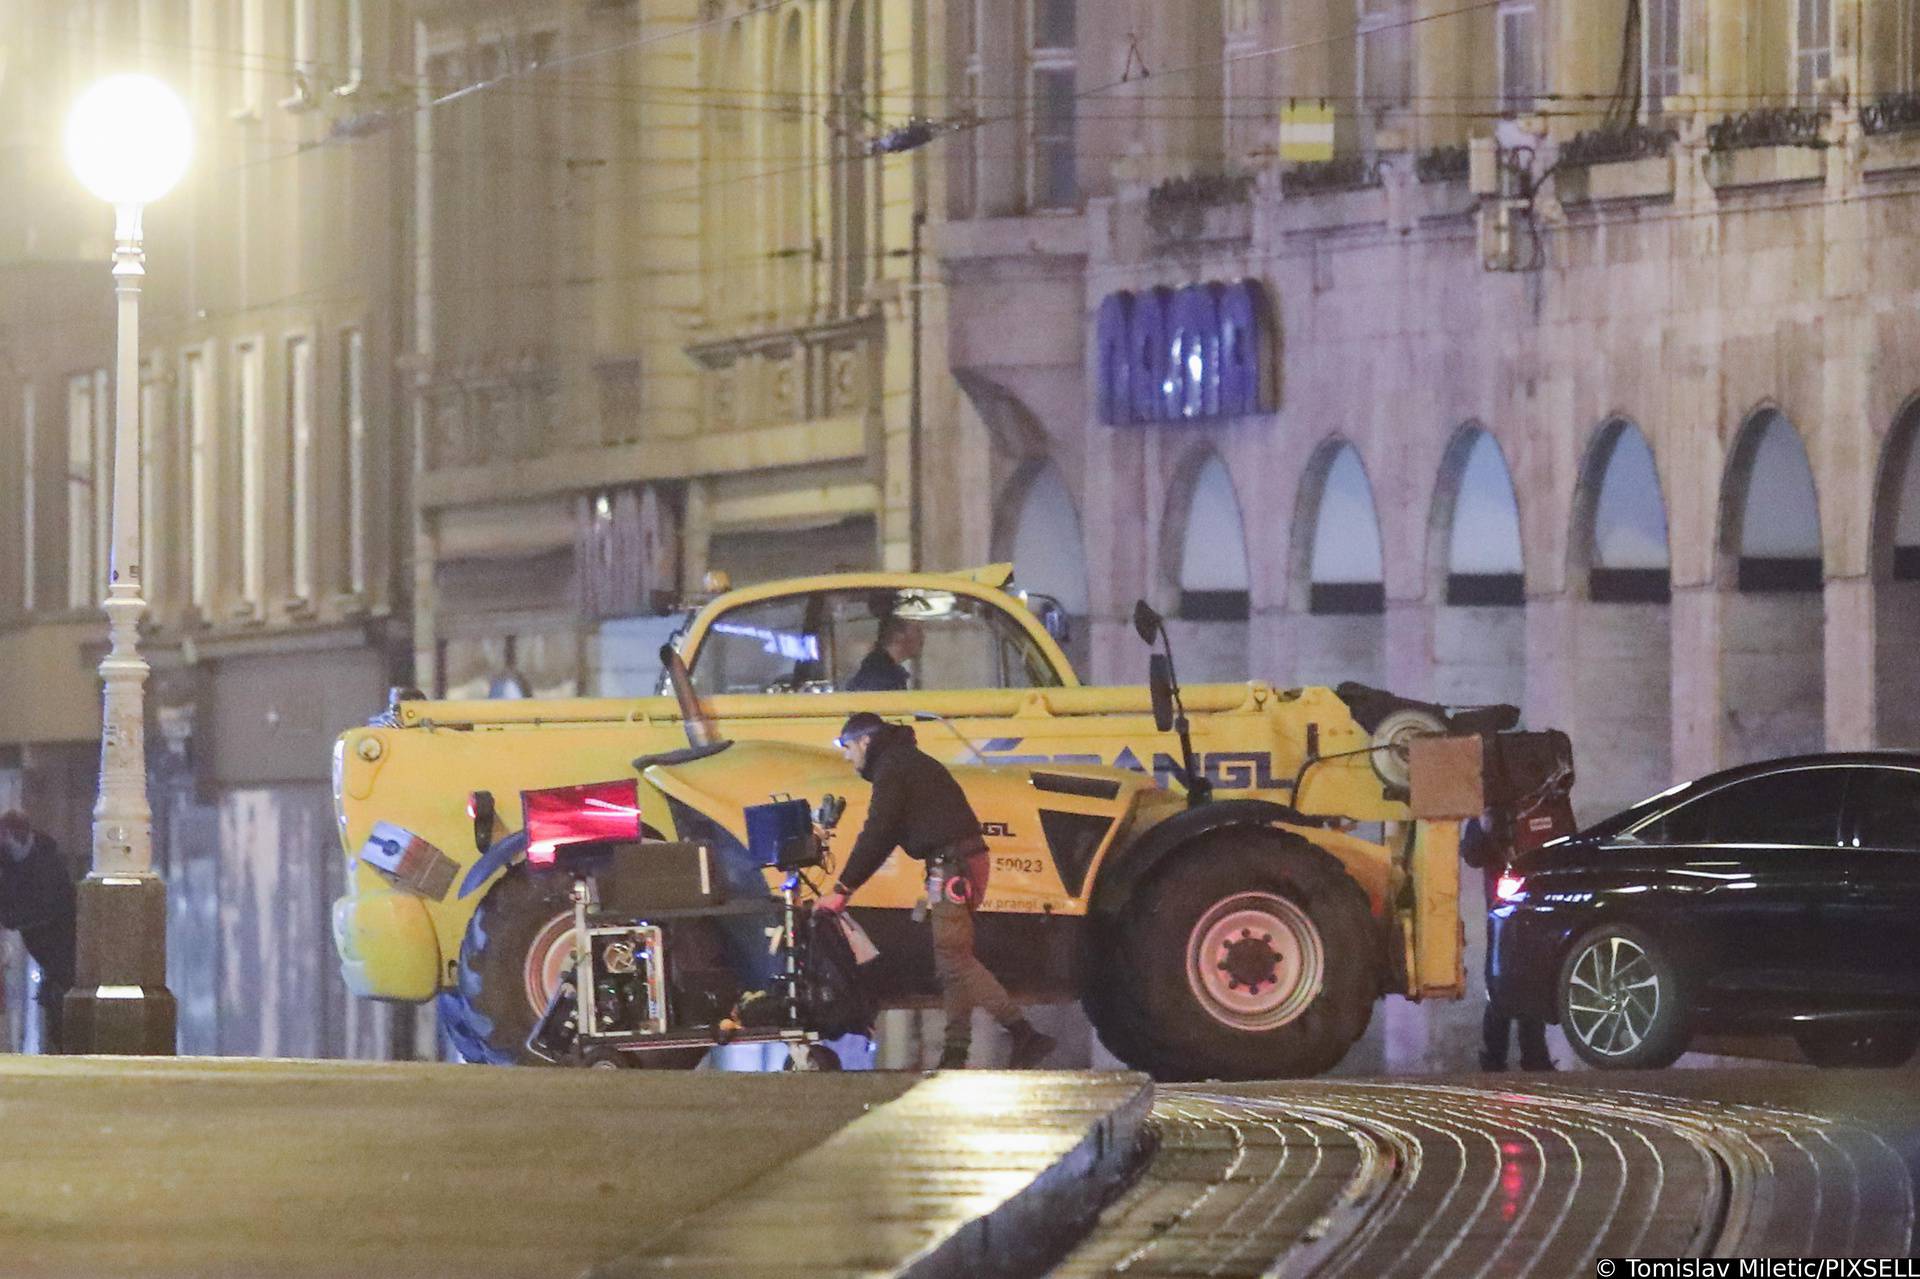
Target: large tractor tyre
[1251,956]
[517,948]
[1623,1000]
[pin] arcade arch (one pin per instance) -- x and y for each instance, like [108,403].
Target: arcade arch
[1207,562]
[1772,622]
[1621,663]
[1040,533]
[1896,572]
[1339,591]
[1480,633]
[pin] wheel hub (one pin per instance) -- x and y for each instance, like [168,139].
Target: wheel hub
[1251,961]
[1255,961]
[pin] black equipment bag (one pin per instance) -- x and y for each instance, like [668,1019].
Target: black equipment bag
[1529,783]
[833,1000]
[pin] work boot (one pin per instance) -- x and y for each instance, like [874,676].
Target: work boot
[1030,1046]
[1542,1063]
[1491,1063]
[953,1057]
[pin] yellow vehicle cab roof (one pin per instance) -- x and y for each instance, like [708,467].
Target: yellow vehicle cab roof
[986,583]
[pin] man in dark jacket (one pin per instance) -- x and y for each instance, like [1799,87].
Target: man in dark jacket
[919,808]
[883,670]
[36,897]
[1485,846]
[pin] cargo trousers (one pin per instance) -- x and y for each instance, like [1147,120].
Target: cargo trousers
[965,982]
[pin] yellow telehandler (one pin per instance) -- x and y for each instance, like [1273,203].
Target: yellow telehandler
[1186,863]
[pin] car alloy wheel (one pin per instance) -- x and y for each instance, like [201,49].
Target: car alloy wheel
[1255,961]
[1614,995]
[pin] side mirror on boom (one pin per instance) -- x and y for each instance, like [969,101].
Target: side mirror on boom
[1160,684]
[1169,716]
[1146,623]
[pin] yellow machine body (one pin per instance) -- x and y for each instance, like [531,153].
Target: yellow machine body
[415,772]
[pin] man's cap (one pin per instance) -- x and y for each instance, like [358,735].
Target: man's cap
[859,724]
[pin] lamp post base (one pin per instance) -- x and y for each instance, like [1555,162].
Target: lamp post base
[120,1003]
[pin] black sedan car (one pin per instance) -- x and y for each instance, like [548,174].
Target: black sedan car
[1777,896]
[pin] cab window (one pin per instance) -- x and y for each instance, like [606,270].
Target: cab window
[960,642]
[766,647]
[818,642]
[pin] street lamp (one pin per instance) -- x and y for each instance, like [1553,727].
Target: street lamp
[128,141]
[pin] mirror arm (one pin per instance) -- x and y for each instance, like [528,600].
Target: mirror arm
[1198,787]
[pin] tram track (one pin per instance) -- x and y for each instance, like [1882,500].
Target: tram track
[1541,1176]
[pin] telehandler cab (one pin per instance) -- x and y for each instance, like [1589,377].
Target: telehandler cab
[1182,862]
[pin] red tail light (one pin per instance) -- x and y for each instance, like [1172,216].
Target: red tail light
[1508,887]
[579,815]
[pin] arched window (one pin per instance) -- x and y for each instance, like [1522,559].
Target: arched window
[1626,541]
[1778,534]
[790,216]
[854,170]
[1772,623]
[1044,541]
[1344,563]
[1896,560]
[1212,569]
[1483,537]
[1618,659]
[1244,111]
[1902,492]
[728,224]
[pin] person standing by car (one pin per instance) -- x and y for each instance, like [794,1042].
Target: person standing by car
[918,807]
[883,670]
[1486,845]
[37,898]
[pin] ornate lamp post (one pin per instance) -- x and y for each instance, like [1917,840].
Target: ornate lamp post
[128,141]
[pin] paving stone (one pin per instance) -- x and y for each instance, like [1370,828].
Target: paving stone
[969,1174]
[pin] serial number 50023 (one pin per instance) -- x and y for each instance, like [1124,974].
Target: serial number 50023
[1018,865]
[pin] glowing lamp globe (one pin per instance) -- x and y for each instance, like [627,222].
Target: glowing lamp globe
[129,139]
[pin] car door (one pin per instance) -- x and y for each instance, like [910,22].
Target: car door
[1749,873]
[1877,941]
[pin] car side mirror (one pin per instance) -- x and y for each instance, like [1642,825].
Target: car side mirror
[1160,684]
[1146,622]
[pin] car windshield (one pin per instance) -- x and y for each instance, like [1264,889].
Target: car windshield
[832,641]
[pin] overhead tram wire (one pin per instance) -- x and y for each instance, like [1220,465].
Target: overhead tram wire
[246,60]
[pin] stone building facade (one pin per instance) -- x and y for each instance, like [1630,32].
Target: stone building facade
[1620,430]
[273,474]
[667,320]
[476,334]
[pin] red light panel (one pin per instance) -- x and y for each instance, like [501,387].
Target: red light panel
[587,814]
[1508,887]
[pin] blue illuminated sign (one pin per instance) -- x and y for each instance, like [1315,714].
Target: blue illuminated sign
[1184,355]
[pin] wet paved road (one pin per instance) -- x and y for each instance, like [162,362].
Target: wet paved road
[1523,1175]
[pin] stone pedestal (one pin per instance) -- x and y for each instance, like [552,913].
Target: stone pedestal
[119,1003]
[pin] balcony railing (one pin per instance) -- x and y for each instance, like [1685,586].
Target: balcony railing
[1177,207]
[1894,113]
[1443,164]
[1768,127]
[1319,177]
[1610,146]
